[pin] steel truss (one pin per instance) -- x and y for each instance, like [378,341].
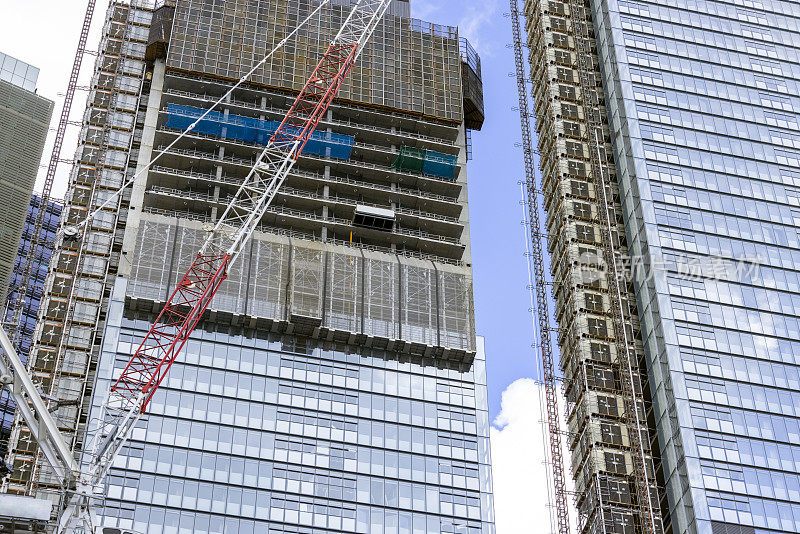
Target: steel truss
[542,309]
[133,390]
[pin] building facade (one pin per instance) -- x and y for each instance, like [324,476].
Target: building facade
[709,132]
[24,121]
[337,384]
[614,464]
[30,310]
[701,116]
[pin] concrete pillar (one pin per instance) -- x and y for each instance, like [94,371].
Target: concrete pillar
[145,155]
[326,193]
[216,194]
[215,209]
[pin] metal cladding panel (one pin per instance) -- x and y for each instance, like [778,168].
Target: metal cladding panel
[408,65]
[456,313]
[232,294]
[189,238]
[419,323]
[381,295]
[21,507]
[339,288]
[343,294]
[269,273]
[150,273]
[24,119]
[307,280]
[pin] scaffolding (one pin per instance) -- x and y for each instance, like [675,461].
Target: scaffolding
[408,65]
[67,336]
[614,452]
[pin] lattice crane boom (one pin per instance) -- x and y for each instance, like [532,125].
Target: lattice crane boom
[134,389]
[542,312]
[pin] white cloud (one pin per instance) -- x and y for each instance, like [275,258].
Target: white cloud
[422,9]
[518,470]
[475,22]
[474,19]
[518,462]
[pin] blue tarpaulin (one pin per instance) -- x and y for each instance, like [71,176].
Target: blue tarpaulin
[438,164]
[253,130]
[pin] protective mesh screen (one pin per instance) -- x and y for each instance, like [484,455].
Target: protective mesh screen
[418,286]
[371,293]
[381,295]
[344,292]
[409,64]
[269,263]
[306,281]
[150,273]
[456,313]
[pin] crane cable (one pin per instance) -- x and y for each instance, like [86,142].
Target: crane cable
[74,229]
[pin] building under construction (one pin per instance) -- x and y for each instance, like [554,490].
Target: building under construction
[336,383]
[613,456]
[669,174]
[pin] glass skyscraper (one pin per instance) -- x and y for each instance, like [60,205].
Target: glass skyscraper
[24,120]
[253,433]
[703,117]
[703,103]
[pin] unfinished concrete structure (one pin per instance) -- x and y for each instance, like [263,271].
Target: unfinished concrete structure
[614,456]
[357,286]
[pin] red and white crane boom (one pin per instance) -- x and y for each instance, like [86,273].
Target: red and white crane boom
[133,390]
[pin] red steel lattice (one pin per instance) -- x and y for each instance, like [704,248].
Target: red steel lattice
[187,304]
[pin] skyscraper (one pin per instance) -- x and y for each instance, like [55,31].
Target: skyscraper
[30,309]
[336,384]
[613,464]
[687,114]
[24,120]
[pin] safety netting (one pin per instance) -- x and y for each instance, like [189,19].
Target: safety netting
[251,130]
[358,291]
[426,161]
